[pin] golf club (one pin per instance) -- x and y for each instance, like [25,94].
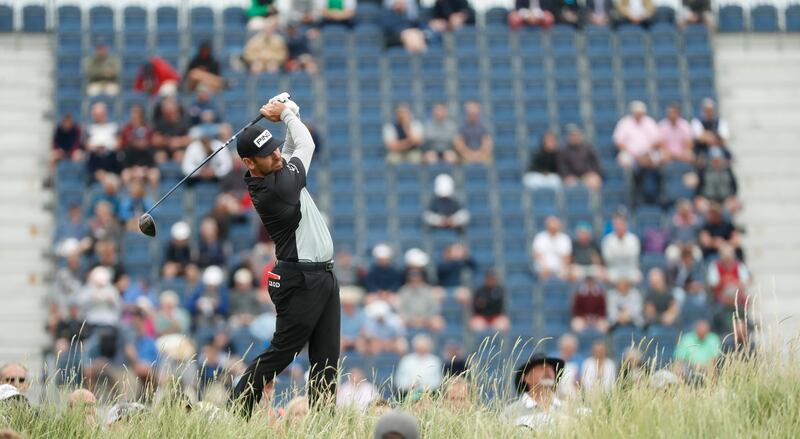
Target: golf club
[146,222]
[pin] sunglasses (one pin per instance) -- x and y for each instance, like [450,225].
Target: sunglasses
[11,380]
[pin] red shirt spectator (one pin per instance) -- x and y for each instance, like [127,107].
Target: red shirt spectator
[589,307]
[157,74]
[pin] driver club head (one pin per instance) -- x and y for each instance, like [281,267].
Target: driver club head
[147,225]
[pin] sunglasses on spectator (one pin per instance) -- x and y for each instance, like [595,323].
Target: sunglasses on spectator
[11,380]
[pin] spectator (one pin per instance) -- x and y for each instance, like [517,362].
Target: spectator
[578,161]
[648,180]
[73,227]
[636,135]
[84,401]
[66,141]
[258,11]
[625,308]
[107,256]
[203,145]
[403,137]
[696,12]
[157,77]
[449,15]
[353,320]
[300,57]
[660,306]
[302,13]
[543,169]
[110,193]
[739,341]
[455,266]
[400,28]
[445,211]
[266,51]
[685,224]
[356,392]
[135,139]
[419,370]
[586,259]
[17,375]
[589,307]
[383,329]
[102,72]
[569,12]
[598,370]
[473,143]
[210,301]
[134,204]
[439,131]
[552,250]
[537,381]
[716,232]
[677,136]
[101,306]
[418,305]
[171,133]
[104,225]
[455,359]
[211,250]
[636,11]
[140,348]
[102,143]
[178,254]
[68,278]
[570,377]
[245,303]
[728,277]
[457,395]
[203,110]
[532,13]
[347,270]
[599,12]
[699,349]
[621,250]
[396,424]
[337,12]
[709,130]
[488,306]
[717,182]
[170,317]
[383,279]
[204,69]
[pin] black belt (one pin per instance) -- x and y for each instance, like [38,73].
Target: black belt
[306,266]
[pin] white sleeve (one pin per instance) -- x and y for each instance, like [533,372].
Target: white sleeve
[223,163]
[722,130]
[189,158]
[697,128]
[299,142]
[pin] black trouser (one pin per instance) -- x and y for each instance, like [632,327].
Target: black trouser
[306,298]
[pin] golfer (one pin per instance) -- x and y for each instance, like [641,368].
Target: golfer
[302,285]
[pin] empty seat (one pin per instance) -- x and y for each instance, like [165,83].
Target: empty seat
[792,23]
[33,18]
[731,18]
[764,18]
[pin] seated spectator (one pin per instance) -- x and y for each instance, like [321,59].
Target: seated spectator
[709,130]
[684,271]
[211,250]
[69,274]
[598,371]
[66,141]
[536,380]
[586,259]
[420,370]
[589,307]
[210,301]
[135,139]
[740,341]
[356,391]
[418,305]
[660,306]
[578,161]
[570,377]
[445,211]
[728,277]
[699,350]
[134,204]
[677,136]
[403,137]
[266,51]
[383,279]
[303,13]
[543,168]
[451,271]
[540,13]
[384,330]
[107,256]
[204,69]
[104,225]
[337,12]
[696,11]
[101,307]
[625,308]
[439,131]
[400,28]
[621,250]
[455,359]
[245,303]
[718,231]
[102,72]
[685,224]
[157,77]
[717,182]
[636,11]
[203,110]
[599,12]
[552,250]
[473,143]
[171,133]
[102,143]
[569,12]
[456,395]
[648,180]
[73,227]
[140,348]
[636,135]
[348,271]
[170,317]
[16,375]
[203,145]
[449,15]
[300,58]
[488,306]
[178,254]
[353,320]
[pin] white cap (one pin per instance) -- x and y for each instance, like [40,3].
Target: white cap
[68,247]
[8,391]
[100,277]
[243,276]
[123,410]
[638,107]
[444,186]
[382,251]
[378,309]
[350,294]
[213,276]
[415,257]
[180,231]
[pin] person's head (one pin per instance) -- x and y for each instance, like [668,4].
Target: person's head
[740,329]
[567,346]
[414,278]
[84,400]
[727,253]
[136,189]
[402,113]
[203,95]
[260,151]
[15,374]
[67,121]
[583,233]
[454,252]
[243,280]
[110,184]
[687,255]
[574,134]
[205,50]
[549,141]
[552,224]
[136,115]
[539,374]
[209,230]
[656,280]
[6,433]
[422,344]
[473,111]
[456,394]
[99,112]
[714,214]
[709,109]
[396,424]
[169,109]
[599,350]
[382,254]
[169,301]
[399,6]
[620,223]
[439,112]
[106,252]
[684,208]
[623,287]
[297,408]
[638,109]
[444,186]
[101,49]
[180,232]
[213,277]
[490,278]
[673,112]
[702,328]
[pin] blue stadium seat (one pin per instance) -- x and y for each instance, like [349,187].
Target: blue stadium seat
[233,18]
[101,20]
[166,19]
[69,18]
[496,17]
[792,17]
[531,43]
[34,18]
[134,19]
[731,18]
[664,14]
[764,18]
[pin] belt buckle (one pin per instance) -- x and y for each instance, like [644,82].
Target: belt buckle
[329,266]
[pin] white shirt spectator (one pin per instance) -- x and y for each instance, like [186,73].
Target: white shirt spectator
[221,164]
[551,251]
[602,373]
[722,129]
[102,135]
[359,395]
[390,133]
[621,255]
[631,302]
[418,372]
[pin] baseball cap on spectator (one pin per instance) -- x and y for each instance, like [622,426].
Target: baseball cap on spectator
[257,141]
[708,103]
[68,247]
[243,276]
[416,258]
[350,295]
[443,186]
[213,276]
[398,423]
[378,309]
[637,107]
[100,277]
[180,231]
[382,251]
[583,225]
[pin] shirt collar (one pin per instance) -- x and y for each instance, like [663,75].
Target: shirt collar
[530,403]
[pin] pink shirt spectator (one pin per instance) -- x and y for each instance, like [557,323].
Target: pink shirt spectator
[675,136]
[637,138]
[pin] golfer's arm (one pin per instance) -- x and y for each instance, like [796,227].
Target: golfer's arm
[299,142]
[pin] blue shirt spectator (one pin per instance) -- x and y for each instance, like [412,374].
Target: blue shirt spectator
[383,276]
[135,203]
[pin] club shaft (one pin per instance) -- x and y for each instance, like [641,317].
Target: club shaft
[207,159]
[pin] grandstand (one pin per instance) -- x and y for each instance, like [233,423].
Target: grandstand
[528,82]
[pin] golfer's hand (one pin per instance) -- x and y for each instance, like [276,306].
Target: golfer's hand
[272,111]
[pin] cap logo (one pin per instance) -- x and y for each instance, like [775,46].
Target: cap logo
[262,138]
